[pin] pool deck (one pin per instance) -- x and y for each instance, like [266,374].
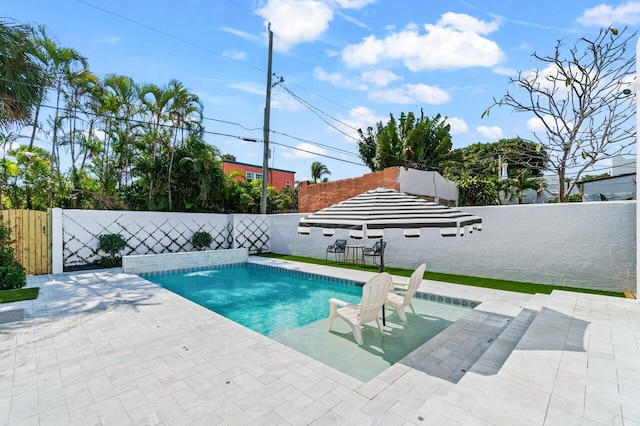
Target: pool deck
[104,347]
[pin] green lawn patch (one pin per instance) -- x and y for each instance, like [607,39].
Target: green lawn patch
[19,294]
[520,287]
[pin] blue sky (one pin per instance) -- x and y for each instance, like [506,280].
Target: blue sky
[345,64]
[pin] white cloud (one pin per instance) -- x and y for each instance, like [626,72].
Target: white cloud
[9,146]
[458,125]
[100,135]
[106,40]
[359,118]
[456,41]
[410,94]
[249,87]
[304,150]
[552,79]
[507,72]
[337,79]
[234,54]
[240,33]
[352,20]
[282,101]
[380,78]
[296,21]
[493,132]
[465,23]
[537,125]
[353,4]
[605,15]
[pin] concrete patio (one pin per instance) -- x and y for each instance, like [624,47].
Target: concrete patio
[104,347]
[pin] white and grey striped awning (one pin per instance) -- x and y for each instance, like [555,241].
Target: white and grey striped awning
[369,214]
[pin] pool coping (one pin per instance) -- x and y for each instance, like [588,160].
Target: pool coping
[457,301]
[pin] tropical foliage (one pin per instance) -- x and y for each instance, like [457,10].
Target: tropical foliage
[486,159]
[111,142]
[419,143]
[318,170]
[12,274]
[476,169]
[21,75]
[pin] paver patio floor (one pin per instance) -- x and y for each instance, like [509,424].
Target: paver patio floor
[104,347]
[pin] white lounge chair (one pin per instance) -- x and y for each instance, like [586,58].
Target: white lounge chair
[374,294]
[401,295]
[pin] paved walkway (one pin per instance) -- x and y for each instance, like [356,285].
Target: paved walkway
[108,348]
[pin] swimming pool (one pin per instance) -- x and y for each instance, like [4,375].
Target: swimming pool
[267,300]
[292,307]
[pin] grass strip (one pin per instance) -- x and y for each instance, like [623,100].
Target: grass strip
[19,294]
[493,283]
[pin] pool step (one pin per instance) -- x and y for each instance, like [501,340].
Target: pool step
[519,367]
[452,353]
[502,347]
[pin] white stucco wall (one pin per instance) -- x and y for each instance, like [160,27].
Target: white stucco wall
[415,181]
[145,232]
[591,245]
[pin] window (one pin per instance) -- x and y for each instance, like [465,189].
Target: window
[288,183]
[251,176]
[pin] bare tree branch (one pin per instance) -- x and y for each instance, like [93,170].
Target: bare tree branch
[576,96]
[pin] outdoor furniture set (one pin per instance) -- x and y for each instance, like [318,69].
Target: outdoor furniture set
[376,293]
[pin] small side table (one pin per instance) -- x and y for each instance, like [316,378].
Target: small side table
[354,253]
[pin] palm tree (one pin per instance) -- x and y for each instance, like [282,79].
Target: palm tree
[318,170]
[525,181]
[21,76]
[185,114]
[118,106]
[61,66]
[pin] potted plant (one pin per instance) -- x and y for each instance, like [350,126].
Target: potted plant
[111,244]
[201,240]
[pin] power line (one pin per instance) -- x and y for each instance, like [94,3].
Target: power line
[244,8]
[207,132]
[166,34]
[315,153]
[318,112]
[343,151]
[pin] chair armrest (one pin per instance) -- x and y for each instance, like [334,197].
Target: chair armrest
[404,286]
[338,302]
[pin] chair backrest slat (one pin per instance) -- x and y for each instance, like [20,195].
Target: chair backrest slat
[374,294]
[416,279]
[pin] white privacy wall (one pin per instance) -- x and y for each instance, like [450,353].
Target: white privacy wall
[590,245]
[145,232]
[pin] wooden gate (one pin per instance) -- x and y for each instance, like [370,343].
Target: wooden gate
[31,230]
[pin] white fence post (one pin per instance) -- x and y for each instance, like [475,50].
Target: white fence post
[57,258]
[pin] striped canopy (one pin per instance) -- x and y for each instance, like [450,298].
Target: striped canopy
[369,214]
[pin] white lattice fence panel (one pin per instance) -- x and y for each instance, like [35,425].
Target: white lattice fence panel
[252,232]
[145,232]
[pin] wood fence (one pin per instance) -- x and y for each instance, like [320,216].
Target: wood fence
[31,230]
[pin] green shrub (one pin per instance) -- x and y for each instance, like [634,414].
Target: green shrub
[201,240]
[7,254]
[112,244]
[12,277]
[12,274]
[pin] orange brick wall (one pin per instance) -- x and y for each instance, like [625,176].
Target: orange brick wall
[317,196]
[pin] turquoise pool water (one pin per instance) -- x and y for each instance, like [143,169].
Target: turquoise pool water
[293,308]
[267,300]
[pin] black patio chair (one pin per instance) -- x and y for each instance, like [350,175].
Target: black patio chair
[374,252]
[336,248]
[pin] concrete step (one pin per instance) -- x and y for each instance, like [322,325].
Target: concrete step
[469,394]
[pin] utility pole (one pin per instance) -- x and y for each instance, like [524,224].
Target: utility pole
[267,112]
